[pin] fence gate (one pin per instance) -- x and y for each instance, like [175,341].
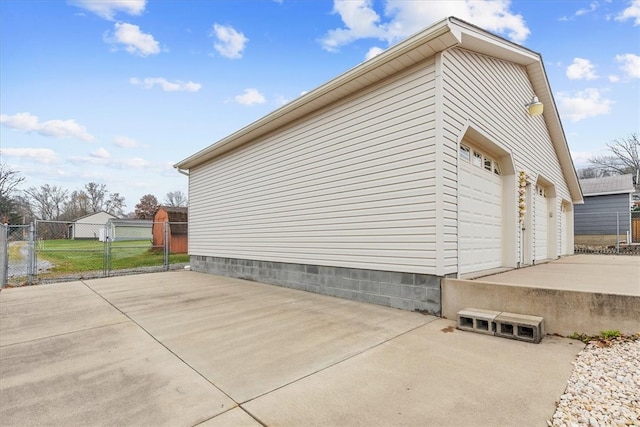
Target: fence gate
[17,255]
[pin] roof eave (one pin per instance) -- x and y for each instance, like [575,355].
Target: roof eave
[437,37]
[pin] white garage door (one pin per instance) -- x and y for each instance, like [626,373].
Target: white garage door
[480,220]
[540,224]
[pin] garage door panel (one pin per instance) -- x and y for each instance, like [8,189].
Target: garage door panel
[480,207]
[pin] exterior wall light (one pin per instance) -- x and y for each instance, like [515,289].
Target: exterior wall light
[535,107]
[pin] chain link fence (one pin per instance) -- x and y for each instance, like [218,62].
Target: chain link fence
[604,232]
[53,251]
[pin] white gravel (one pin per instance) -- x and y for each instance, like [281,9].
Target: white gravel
[604,388]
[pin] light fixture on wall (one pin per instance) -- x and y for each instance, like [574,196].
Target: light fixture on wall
[535,107]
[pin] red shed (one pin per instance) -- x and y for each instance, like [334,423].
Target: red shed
[177,218]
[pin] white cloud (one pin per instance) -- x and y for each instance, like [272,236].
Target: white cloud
[592,7]
[613,78]
[250,97]
[103,158]
[581,69]
[107,9]
[166,85]
[404,18]
[135,41]
[581,158]
[281,100]
[374,51]
[584,104]
[632,12]
[126,142]
[39,155]
[630,64]
[55,128]
[230,42]
[132,163]
[100,153]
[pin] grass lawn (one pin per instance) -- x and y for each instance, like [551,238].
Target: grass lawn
[69,256]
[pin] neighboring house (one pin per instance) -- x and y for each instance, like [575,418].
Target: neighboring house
[171,222]
[89,226]
[128,229]
[605,217]
[400,172]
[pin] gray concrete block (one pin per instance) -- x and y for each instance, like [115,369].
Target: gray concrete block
[342,272]
[428,307]
[520,327]
[326,271]
[360,274]
[428,281]
[369,287]
[417,293]
[408,279]
[380,300]
[312,269]
[390,289]
[379,276]
[434,296]
[477,320]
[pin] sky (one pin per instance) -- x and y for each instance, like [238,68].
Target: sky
[117,91]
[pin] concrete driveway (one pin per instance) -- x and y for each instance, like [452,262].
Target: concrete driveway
[185,349]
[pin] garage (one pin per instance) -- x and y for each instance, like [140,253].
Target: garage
[480,211]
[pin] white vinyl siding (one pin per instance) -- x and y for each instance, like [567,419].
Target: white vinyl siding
[492,93]
[351,185]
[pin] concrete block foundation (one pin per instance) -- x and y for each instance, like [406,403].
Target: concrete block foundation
[407,291]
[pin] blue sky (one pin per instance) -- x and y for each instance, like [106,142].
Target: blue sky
[116,92]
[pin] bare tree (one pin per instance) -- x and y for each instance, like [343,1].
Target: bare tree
[77,205]
[147,207]
[96,194]
[592,172]
[175,198]
[115,204]
[9,180]
[47,201]
[624,157]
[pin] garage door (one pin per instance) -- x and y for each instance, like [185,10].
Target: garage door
[541,224]
[480,213]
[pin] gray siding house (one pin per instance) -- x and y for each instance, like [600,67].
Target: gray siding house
[605,216]
[422,163]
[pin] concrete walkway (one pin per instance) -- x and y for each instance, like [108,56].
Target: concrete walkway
[608,274]
[184,348]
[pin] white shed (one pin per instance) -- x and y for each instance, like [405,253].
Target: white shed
[89,226]
[422,163]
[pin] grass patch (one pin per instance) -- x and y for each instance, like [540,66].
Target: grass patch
[605,339]
[71,256]
[15,254]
